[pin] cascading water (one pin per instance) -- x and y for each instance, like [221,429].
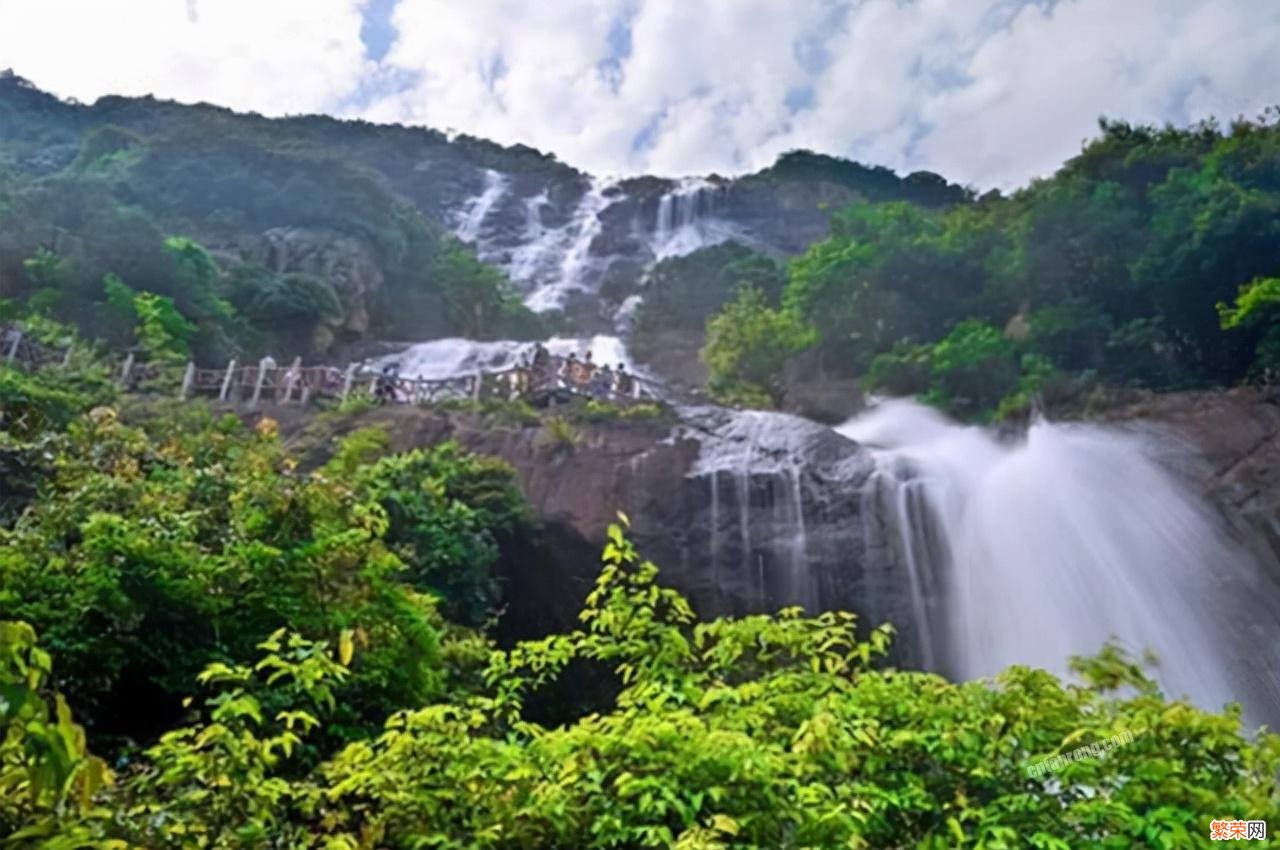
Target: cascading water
[456,357]
[549,252]
[750,460]
[686,219]
[553,262]
[473,216]
[1029,553]
[576,262]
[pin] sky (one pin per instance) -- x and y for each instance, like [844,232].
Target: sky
[991,93]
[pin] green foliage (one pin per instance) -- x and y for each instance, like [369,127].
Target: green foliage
[47,775]
[748,344]
[1256,307]
[481,303]
[1113,268]
[780,732]
[165,335]
[558,436]
[150,553]
[903,370]
[1256,302]
[601,410]
[108,150]
[753,732]
[975,372]
[116,179]
[34,403]
[448,514]
[226,780]
[972,368]
[681,293]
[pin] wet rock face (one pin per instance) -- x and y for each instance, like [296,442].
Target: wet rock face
[781,511]
[743,512]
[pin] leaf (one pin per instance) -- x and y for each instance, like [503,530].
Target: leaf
[725,824]
[346,647]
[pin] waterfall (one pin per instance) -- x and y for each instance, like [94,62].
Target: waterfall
[553,262]
[473,216]
[1074,535]
[753,460]
[686,219]
[456,357]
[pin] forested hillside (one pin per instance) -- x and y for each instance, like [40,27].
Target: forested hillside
[295,242]
[1149,259]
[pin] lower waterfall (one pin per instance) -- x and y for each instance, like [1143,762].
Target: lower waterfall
[1032,551]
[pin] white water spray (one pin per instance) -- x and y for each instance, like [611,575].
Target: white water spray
[686,219]
[469,224]
[1052,546]
[455,357]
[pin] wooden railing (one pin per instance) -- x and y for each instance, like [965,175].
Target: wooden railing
[267,382]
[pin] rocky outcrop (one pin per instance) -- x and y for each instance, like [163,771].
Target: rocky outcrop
[753,511]
[346,263]
[743,511]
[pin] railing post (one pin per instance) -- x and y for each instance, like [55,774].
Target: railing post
[226,380]
[13,346]
[126,369]
[257,387]
[188,378]
[348,381]
[292,379]
[66,357]
[479,383]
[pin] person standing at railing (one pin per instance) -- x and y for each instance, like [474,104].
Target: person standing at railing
[541,367]
[623,383]
[385,388]
[601,382]
[571,370]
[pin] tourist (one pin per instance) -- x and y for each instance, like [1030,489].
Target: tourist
[601,382]
[570,370]
[540,366]
[624,384]
[587,368]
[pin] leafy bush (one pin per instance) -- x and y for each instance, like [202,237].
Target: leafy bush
[558,436]
[972,369]
[46,771]
[448,514]
[150,553]
[752,732]
[748,344]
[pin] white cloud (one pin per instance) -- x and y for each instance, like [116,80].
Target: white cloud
[276,57]
[990,92]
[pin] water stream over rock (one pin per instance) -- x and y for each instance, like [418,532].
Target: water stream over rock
[1032,551]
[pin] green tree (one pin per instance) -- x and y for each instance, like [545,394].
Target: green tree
[150,553]
[449,513]
[1258,306]
[479,300]
[748,343]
